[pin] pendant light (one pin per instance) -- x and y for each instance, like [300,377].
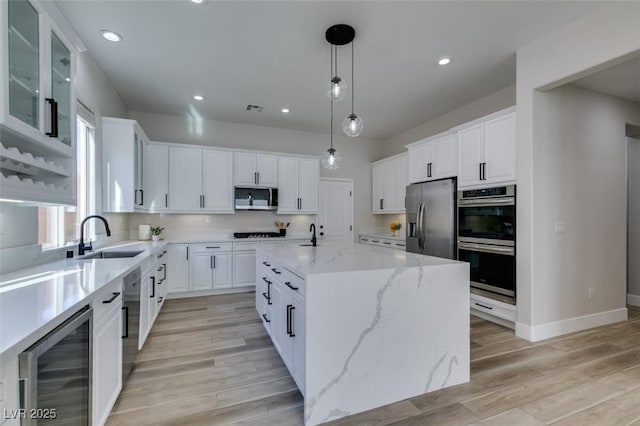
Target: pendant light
[331,159]
[336,87]
[352,124]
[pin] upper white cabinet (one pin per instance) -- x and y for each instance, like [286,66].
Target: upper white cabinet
[124,145]
[434,158]
[488,151]
[37,106]
[156,177]
[200,180]
[389,181]
[255,169]
[298,180]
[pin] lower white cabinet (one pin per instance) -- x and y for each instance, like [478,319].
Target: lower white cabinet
[177,268]
[210,270]
[244,268]
[286,325]
[107,352]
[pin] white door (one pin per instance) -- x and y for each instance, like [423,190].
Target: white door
[107,365]
[418,159]
[299,348]
[245,168]
[244,268]
[202,271]
[185,178]
[444,156]
[217,180]
[308,177]
[221,270]
[400,182]
[157,177]
[500,149]
[471,154]
[287,185]
[267,169]
[377,186]
[335,218]
[388,187]
[178,268]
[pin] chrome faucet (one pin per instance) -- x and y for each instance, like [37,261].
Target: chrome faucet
[314,240]
[82,247]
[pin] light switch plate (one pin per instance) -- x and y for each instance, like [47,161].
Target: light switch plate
[561,228]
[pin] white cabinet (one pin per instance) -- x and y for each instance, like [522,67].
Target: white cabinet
[434,158]
[244,268]
[123,151]
[156,169]
[178,268]
[211,266]
[389,179]
[298,180]
[200,180]
[37,106]
[488,151]
[107,352]
[255,169]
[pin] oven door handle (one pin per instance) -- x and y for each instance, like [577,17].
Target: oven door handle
[509,251]
[488,202]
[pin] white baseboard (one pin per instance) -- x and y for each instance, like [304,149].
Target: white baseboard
[633,300]
[558,328]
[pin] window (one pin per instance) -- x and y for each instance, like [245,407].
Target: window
[58,226]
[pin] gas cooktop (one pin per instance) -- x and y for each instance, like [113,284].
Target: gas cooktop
[256,234]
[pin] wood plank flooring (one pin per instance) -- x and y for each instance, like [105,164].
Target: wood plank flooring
[208,361]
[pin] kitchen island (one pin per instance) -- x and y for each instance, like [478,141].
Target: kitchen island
[360,326]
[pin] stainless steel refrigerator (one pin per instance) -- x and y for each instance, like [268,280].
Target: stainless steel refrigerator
[431,218]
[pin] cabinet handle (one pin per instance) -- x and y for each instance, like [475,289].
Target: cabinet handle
[54,118]
[166,200]
[288,284]
[125,311]
[153,287]
[381,203]
[164,268]
[159,268]
[210,262]
[480,170]
[212,247]
[266,264]
[289,320]
[203,201]
[275,271]
[266,280]
[255,178]
[258,182]
[386,242]
[142,197]
[160,299]
[214,262]
[187,252]
[484,171]
[484,306]
[114,297]
[265,318]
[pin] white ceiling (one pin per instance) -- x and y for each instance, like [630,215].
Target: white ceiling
[274,54]
[622,81]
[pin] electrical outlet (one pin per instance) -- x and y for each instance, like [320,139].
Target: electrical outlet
[208,220]
[561,228]
[591,290]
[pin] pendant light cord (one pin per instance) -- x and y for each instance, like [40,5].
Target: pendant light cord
[330,97]
[353,98]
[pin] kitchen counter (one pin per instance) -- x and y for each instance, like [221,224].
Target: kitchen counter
[379,326]
[33,301]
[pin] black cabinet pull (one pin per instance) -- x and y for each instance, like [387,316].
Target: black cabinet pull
[114,297]
[289,320]
[164,269]
[212,247]
[142,197]
[276,271]
[484,306]
[125,310]
[210,262]
[266,264]
[53,131]
[386,242]
[266,280]
[484,171]
[187,252]
[480,171]
[266,296]
[166,200]
[153,287]
[160,299]
[288,284]
[159,268]
[265,318]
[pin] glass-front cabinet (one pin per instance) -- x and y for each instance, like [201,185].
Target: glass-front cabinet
[37,105]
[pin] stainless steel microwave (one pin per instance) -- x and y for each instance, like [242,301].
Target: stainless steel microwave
[256,198]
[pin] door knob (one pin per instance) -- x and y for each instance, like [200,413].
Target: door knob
[321,227]
[321,234]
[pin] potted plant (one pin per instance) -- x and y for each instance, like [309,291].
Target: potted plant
[155,232]
[394,227]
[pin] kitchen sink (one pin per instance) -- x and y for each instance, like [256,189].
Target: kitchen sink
[111,254]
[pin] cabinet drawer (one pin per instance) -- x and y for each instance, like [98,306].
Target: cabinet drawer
[211,247]
[107,299]
[293,282]
[245,246]
[492,307]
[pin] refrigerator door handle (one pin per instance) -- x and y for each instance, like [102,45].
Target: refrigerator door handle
[423,233]
[420,227]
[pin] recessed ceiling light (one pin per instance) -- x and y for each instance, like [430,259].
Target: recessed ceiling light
[111,36]
[198,97]
[285,110]
[444,61]
[67,79]
[198,1]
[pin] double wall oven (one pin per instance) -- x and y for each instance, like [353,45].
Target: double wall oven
[486,237]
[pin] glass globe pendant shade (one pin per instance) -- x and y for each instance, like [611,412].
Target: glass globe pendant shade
[352,125]
[331,159]
[336,89]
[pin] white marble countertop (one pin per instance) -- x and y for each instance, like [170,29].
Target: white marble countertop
[31,299]
[400,237]
[332,257]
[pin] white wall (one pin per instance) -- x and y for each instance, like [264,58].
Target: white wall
[608,35]
[357,153]
[633,255]
[581,183]
[19,225]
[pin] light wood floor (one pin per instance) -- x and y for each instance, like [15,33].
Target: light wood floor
[208,361]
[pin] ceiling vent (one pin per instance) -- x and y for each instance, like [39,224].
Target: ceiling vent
[255,108]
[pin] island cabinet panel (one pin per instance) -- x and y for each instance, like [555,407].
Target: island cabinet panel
[178,268]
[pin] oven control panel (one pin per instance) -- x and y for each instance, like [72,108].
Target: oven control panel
[500,191]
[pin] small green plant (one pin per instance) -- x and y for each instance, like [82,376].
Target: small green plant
[156,230]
